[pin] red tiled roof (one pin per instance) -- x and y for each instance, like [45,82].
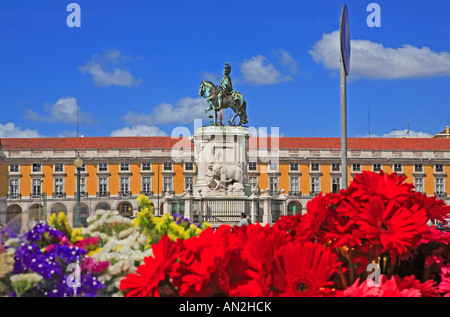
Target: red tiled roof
[94,143]
[416,144]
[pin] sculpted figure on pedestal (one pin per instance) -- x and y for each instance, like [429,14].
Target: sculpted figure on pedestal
[224,177]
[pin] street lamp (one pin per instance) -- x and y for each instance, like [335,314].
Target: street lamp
[78,162]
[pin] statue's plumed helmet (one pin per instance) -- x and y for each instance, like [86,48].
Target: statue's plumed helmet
[227,68]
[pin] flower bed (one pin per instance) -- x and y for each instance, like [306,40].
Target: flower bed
[372,239]
[55,260]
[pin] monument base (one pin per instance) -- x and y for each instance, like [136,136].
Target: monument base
[221,158]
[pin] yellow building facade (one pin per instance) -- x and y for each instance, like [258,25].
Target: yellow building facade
[40,173]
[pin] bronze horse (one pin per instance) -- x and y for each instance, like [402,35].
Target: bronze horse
[235,101]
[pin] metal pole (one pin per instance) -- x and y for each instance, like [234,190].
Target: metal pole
[40,209]
[343,126]
[159,212]
[77,215]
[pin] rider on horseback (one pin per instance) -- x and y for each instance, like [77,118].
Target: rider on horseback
[225,88]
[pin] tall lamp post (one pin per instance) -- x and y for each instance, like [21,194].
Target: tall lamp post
[78,162]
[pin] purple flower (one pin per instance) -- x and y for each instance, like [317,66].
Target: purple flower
[51,262]
[35,234]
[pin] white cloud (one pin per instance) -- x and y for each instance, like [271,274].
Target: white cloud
[289,63]
[373,60]
[108,70]
[258,71]
[64,110]
[400,134]
[10,130]
[185,111]
[140,130]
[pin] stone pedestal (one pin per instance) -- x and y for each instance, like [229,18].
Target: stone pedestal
[221,146]
[267,207]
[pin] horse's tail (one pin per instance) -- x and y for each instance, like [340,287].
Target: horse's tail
[243,112]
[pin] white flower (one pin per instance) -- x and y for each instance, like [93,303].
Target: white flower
[11,241]
[31,278]
[125,233]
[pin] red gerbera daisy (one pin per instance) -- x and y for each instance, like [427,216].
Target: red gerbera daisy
[436,209]
[338,231]
[393,287]
[427,289]
[289,223]
[387,186]
[154,269]
[258,245]
[309,224]
[389,224]
[303,268]
[444,286]
[205,262]
[361,290]
[434,235]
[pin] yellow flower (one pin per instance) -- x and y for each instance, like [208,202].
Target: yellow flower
[61,223]
[94,252]
[76,235]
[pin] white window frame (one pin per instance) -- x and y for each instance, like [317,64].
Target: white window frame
[274,187]
[83,185]
[166,178]
[250,164]
[436,168]
[124,184]
[191,183]
[17,192]
[419,184]
[144,184]
[167,164]
[18,168]
[294,170]
[124,167]
[315,170]
[36,182]
[294,184]
[436,184]
[100,184]
[58,164]
[375,170]
[146,166]
[253,184]
[36,165]
[333,182]
[356,170]
[61,191]
[418,170]
[273,166]
[313,185]
[333,165]
[395,165]
[186,166]
[100,166]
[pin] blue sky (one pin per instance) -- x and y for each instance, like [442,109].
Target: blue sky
[134,67]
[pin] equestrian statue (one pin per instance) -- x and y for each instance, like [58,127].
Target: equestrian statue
[223,97]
